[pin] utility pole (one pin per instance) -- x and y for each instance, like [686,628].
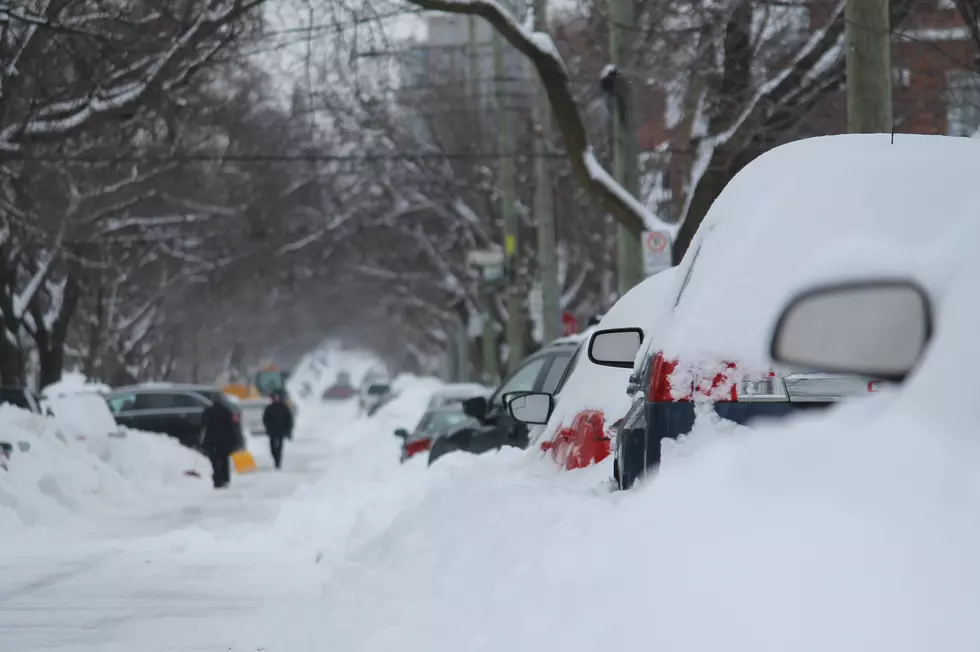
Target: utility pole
[869,69]
[505,117]
[489,335]
[544,206]
[625,145]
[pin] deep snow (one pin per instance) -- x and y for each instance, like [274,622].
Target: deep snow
[854,530]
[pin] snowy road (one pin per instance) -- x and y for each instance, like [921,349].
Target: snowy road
[183,578]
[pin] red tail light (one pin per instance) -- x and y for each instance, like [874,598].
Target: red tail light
[661,390]
[236,418]
[660,371]
[417,446]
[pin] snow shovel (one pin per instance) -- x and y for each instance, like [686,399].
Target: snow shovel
[243,461]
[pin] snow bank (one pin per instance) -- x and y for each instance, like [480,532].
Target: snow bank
[74,472]
[778,217]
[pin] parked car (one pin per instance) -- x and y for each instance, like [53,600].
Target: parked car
[440,420]
[23,398]
[85,410]
[579,431]
[172,409]
[374,395]
[542,371]
[714,346]
[341,388]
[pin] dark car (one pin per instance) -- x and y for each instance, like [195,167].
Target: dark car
[542,371]
[173,410]
[440,421]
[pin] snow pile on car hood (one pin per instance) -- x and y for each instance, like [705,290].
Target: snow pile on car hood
[64,478]
[778,217]
[592,387]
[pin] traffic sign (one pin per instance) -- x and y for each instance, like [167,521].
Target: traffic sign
[657,255]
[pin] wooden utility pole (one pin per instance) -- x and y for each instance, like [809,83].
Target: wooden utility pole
[869,68]
[625,145]
[489,335]
[505,117]
[544,208]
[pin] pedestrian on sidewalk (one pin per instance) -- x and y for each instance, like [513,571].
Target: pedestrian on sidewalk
[278,421]
[220,441]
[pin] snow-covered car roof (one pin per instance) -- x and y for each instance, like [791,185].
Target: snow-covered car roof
[773,225]
[592,387]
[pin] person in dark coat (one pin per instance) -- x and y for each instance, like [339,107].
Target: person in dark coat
[220,441]
[278,421]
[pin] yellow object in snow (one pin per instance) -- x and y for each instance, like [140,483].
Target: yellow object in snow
[241,391]
[243,461]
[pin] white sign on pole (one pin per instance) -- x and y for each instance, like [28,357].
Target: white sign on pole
[656,252]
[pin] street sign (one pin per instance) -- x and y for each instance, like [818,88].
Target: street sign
[657,255]
[489,261]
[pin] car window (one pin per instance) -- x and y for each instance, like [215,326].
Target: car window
[191,401]
[377,390]
[155,401]
[121,402]
[570,368]
[559,364]
[522,380]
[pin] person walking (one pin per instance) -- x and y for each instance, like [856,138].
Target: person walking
[220,441]
[278,421]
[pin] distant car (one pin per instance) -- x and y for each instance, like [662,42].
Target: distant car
[373,396]
[442,420]
[341,388]
[171,409]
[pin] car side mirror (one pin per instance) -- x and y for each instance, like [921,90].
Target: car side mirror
[877,329]
[401,433]
[532,408]
[476,407]
[615,347]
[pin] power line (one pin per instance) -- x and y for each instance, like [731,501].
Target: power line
[268,158]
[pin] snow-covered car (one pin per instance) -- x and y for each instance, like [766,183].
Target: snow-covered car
[755,245]
[593,399]
[86,410]
[440,420]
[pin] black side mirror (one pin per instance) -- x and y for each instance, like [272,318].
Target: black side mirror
[476,407]
[401,433]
